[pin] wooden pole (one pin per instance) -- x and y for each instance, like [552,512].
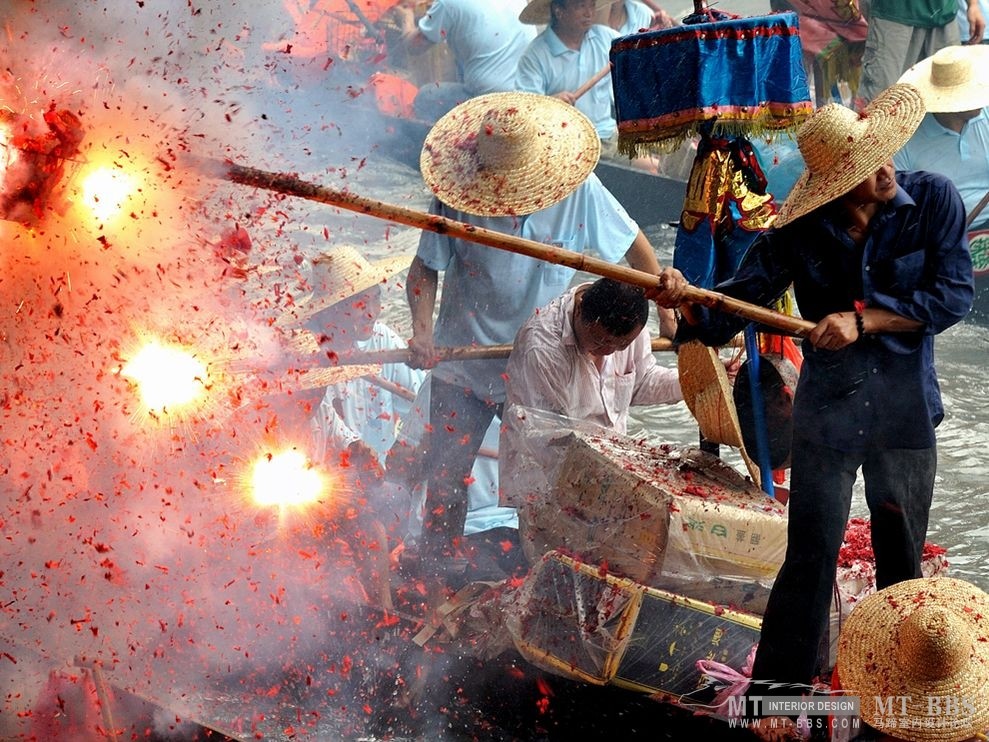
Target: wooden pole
[598,76]
[104,698]
[458,353]
[977,210]
[293,186]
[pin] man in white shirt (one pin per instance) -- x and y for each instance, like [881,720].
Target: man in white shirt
[486,40]
[585,357]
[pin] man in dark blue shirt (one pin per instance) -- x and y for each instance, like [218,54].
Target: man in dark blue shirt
[880,261]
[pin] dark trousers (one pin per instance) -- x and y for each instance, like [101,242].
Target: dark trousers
[458,421]
[899,485]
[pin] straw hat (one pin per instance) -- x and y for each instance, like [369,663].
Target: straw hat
[507,154]
[707,394]
[841,148]
[339,274]
[922,640]
[537,12]
[299,369]
[953,79]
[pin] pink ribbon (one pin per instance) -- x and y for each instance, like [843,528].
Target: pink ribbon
[736,682]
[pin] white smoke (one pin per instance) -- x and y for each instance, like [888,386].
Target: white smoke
[127,542]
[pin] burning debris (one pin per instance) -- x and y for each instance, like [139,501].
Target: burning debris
[158,517]
[33,157]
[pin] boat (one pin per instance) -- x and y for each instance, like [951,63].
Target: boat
[573,646]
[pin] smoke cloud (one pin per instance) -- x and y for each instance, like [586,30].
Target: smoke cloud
[131,550]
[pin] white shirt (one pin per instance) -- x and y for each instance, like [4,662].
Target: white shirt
[359,410]
[547,371]
[486,39]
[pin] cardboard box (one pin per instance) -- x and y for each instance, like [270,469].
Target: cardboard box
[643,510]
[738,534]
[607,507]
[575,620]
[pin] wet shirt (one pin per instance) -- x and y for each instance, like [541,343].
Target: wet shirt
[488,293]
[962,156]
[881,390]
[548,67]
[548,371]
[486,40]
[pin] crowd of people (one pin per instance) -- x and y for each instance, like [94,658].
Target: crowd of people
[553,47]
[871,240]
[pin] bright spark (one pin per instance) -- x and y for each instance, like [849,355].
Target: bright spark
[8,154]
[104,191]
[286,479]
[167,377]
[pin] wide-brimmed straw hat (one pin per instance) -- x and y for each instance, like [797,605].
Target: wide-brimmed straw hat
[841,148]
[505,154]
[953,79]
[923,643]
[708,395]
[338,275]
[537,12]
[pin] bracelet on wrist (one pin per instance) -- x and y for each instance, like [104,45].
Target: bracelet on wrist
[859,319]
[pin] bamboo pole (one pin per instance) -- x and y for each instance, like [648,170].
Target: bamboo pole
[598,76]
[407,394]
[977,210]
[457,353]
[293,186]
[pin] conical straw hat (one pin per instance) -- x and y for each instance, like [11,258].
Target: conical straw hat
[537,12]
[841,148]
[954,79]
[707,393]
[920,641]
[338,275]
[508,154]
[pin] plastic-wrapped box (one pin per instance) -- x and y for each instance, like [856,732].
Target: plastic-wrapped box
[646,511]
[576,620]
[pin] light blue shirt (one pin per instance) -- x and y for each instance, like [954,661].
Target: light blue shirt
[963,158]
[486,39]
[548,66]
[488,292]
[963,19]
[483,510]
[638,16]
